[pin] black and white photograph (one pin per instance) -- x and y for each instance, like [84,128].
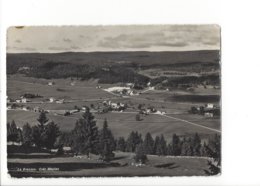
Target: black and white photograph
[113,101]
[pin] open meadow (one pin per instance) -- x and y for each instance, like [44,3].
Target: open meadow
[120,122]
[48,165]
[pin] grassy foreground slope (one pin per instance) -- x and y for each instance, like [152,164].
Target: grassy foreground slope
[120,166]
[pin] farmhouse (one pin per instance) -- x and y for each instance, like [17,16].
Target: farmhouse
[25,108]
[51,99]
[209,105]
[114,105]
[60,101]
[160,112]
[9,107]
[24,100]
[51,83]
[84,109]
[208,114]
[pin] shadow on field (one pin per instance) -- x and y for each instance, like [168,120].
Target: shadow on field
[35,156]
[167,165]
[119,158]
[23,149]
[60,166]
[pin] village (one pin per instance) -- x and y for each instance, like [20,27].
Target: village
[208,110]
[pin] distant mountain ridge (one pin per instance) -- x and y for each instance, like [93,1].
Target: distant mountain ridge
[139,57]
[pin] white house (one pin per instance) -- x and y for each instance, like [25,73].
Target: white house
[121,104]
[67,149]
[36,109]
[130,84]
[84,109]
[210,105]
[208,114]
[24,108]
[50,83]
[114,105]
[52,100]
[24,100]
[18,101]
[60,101]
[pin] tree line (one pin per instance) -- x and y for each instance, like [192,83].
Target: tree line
[87,139]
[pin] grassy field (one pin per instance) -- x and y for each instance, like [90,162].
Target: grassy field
[17,88]
[123,123]
[21,165]
[85,93]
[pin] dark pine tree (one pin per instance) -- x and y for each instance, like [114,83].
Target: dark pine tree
[36,136]
[27,135]
[12,132]
[163,145]
[8,127]
[140,155]
[45,134]
[148,143]
[106,143]
[176,145]
[121,144]
[85,135]
[213,151]
[132,141]
[169,149]
[50,134]
[187,149]
[42,120]
[19,135]
[156,145]
[196,144]
[39,130]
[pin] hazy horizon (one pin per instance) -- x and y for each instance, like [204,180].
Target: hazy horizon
[107,51]
[121,38]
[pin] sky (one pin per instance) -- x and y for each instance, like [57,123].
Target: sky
[55,39]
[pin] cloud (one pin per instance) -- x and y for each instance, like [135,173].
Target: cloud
[143,40]
[67,40]
[74,47]
[18,41]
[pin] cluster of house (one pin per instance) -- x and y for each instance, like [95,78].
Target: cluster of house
[53,100]
[123,91]
[208,110]
[20,100]
[115,106]
[14,106]
[151,110]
